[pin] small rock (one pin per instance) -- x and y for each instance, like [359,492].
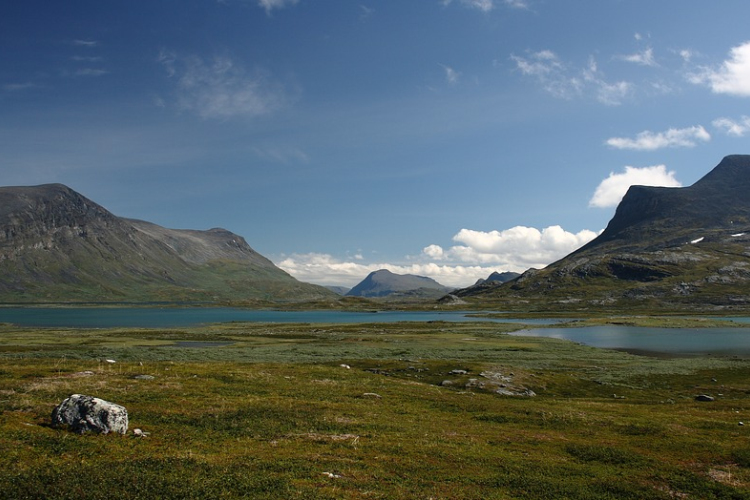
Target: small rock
[742,423]
[144,377]
[704,397]
[446,383]
[457,372]
[139,433]
[345,366]
[371,395]
[110,361]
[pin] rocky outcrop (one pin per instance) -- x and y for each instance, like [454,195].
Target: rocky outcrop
[671,248]
[89,414]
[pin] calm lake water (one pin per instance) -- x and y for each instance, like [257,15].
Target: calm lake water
[676,341]
[174,317]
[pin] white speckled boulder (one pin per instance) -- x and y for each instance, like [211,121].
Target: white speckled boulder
[89,414]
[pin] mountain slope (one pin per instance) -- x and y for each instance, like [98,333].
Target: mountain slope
[383,283]
[57,245]
[665,247]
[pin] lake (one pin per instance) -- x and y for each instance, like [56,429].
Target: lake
[674,341]
[144,317]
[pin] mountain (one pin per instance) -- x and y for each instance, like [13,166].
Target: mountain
[384,283]
[339,290]
[57,245]
[497,277]
[665,247]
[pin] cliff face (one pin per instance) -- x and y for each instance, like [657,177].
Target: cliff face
[57,245]
[682,247]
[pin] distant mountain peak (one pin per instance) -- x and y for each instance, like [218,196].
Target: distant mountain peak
[383,282]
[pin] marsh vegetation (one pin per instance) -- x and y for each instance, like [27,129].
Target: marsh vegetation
[406,410]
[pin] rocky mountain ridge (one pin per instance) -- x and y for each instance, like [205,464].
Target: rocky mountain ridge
[682,248]
[58,245]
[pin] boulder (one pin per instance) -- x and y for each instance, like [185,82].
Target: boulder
[704,398]
[89,414]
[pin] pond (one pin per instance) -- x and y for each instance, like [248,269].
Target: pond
[672,341]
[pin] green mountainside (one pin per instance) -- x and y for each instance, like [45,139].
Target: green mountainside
[58,246]
[678,248]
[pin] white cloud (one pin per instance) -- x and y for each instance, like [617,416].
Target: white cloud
[219,88]
[733,127]
[18,87]
[517,248]
[451,75]
[269,5]
[611,190]
[517,4]
[483,5]
[476,255]
[672,138]
[85,43]
[561,81]
[645,58]
[732,77]
[324,269]
[686,55]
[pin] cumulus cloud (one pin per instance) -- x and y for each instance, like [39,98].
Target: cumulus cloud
[324,269]
[734,128]
[611,190]
[563,81]
[476,255]
[269,5]
[220,88]
[672,138]
[514,249]
[732,77]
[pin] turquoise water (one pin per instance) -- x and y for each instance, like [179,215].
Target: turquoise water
[676,341]
[173,317]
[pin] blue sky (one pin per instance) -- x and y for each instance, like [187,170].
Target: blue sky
[443,138]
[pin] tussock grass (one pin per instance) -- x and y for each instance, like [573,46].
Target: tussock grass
[275,415]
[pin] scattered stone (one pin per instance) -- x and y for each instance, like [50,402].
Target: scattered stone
[139,433]
[332,475]
[704,397]
[457,372]
[87,413]
[446,383]
[87,373]
[371,395]
[345,366]
[144,377]
[527,393]
[742,423]
[110,361]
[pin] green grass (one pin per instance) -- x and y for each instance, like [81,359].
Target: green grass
[275,415]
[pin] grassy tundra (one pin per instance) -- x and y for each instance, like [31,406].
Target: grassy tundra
[268,411]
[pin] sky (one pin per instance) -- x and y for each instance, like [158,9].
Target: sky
[443,138]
